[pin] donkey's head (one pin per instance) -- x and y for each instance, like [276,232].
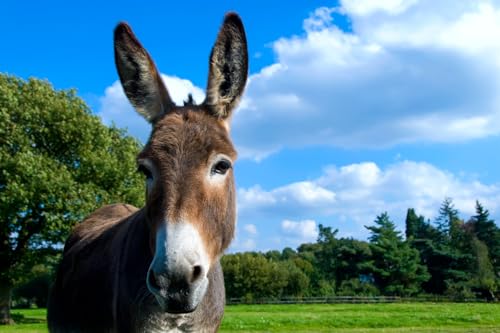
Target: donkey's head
[190,205]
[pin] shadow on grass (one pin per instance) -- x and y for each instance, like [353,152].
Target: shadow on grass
[21,319]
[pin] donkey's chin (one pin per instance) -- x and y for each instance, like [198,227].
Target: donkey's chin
[182,301]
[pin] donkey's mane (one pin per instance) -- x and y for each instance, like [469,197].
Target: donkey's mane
[190,101]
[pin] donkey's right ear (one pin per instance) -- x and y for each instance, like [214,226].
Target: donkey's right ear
[139,77]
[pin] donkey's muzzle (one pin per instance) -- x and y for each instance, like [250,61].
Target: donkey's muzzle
[178,274]
[178,293]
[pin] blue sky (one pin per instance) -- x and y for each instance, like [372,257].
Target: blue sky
[352,108]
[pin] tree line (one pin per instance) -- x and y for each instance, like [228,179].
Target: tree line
[450,256]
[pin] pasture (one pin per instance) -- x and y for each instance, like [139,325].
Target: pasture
[352,318]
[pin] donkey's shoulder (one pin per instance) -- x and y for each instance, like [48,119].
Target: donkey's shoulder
[99,222]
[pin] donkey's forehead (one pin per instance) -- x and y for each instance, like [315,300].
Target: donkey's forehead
[191,131]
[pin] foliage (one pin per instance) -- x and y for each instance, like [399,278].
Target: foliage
[358,287]
[486,231]
[446,258]
[396,266]
[32,289]
[448,217]
[251,275]
[58,163]
[298,281]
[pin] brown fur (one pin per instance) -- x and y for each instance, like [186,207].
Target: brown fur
[101,282]
[183,144]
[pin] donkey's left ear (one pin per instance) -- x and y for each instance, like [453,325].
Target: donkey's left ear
[228,68]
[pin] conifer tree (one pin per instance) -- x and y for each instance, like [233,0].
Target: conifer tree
[396,266]
[486,231]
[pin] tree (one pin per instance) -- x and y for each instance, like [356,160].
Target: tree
[58,162]
[447,219]
[396,266]
[326,234]
[327,245]
[483,276]
[353,261]
[298,282]
[427,240]
[314,260]
[252,275]
[486,231]
[33,287]
[412,224]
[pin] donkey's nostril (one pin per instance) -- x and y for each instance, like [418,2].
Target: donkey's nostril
[153,283]
[197,271]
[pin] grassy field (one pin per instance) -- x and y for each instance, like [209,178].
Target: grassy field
[352,318]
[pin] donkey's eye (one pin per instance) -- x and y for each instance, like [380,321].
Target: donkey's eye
[145,171]
[221,167]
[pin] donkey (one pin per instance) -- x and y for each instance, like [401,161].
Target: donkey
[157,269]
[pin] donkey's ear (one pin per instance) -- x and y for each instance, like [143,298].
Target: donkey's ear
[228,68]
[139,77]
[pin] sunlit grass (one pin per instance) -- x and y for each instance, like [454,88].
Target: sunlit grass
[352,318]
[28,321]
[395,317]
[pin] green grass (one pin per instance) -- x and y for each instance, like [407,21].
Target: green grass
[395,317]
[352,318]
[28,321]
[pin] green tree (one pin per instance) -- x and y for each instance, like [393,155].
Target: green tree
[427,240]
[412,223]
[483,275]
[448,219]
[288,253]
[487,232]
[326,234]
[33,286]
[358,287]
[297,283]
[326,253]
[58,162]
[311,262]
[353,261]
[396,266]
[252,275]
[448,254]
[273,255]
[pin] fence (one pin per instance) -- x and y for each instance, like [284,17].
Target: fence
[348,299]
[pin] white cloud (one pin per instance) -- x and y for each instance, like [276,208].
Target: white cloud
[351,196]
[302,231]
[367,7]
[463,26]
[403,185]
[116,108]
[297,199]
[410,71]
[250,228]
[319,20]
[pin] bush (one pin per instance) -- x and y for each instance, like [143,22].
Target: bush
[459,291]
[357,287]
